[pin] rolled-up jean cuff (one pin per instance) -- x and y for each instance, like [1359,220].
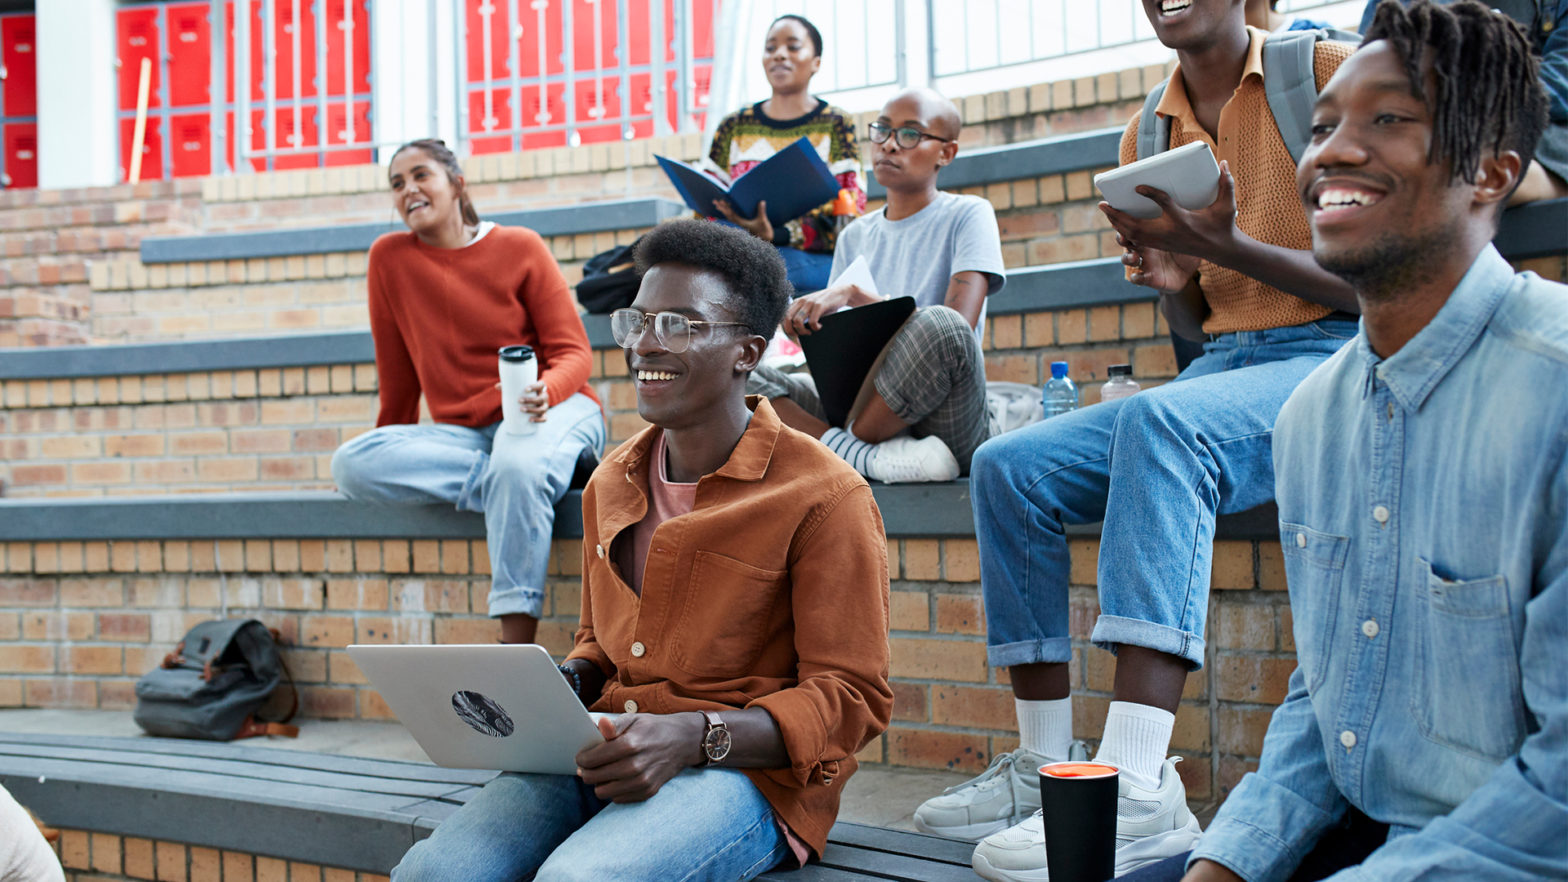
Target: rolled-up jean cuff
[1029,652]
[511,601]
[1113,631]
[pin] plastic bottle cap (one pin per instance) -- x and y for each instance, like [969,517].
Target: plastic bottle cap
[1058,370]
[1120,370]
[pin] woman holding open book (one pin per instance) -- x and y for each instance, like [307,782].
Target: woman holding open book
[791,55]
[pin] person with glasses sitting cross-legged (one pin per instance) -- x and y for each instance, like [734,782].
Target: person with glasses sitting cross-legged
[928,413]
[734,613]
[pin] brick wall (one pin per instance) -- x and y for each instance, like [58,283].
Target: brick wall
[106,857]
[79,621]
[70,273]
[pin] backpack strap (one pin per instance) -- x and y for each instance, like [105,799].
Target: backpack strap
[1290,83]
[1154,131]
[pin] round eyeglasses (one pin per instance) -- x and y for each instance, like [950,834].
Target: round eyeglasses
[907,137]
[673,330]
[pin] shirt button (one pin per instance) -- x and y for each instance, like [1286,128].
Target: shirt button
[599,550]
[1369,628]
[1347,737]
[639,650]
[1301,540]
[1391,410]
[1380,514]
[631,708]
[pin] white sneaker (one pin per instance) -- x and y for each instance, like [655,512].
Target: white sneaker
[906,460]
[1001,796]
[1151,825]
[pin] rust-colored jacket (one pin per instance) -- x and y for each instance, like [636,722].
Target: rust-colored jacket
[772,592]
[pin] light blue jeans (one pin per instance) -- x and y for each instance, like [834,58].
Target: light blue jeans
[515,480]
[703,824]
[1156,468]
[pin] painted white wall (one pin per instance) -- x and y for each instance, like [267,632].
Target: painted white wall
[413,57]
[76,94]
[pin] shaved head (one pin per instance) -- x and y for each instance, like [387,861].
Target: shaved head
[931,108]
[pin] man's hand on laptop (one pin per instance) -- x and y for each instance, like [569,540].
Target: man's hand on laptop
[641,752]
[804,314]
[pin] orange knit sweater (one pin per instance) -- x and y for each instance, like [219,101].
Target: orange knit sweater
[1268,207]
[439,315]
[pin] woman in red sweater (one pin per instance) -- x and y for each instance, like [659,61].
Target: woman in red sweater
[444,298]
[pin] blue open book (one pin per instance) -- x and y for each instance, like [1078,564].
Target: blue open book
[792,181]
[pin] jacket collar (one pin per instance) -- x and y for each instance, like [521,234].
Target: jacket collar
[748,461]
[1415,370]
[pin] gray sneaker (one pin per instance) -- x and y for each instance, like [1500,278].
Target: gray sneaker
[1004,794]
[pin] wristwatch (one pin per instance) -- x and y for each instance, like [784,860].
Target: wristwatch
[715,738]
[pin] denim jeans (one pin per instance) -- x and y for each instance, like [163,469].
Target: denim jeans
[808,270]
[703,824]
[515,480]
[1156,468]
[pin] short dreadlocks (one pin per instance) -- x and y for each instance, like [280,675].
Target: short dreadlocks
[1489,97]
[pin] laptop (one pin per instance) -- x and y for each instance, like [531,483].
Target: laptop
[503,707]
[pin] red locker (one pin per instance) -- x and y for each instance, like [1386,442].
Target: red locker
[499,119]
[703,12]
[495,12]
[583,35]
[639,23]
[356,26]
[286,138]
[643,104]
[152,149]
[257,66]
[551,113]
[137,38]
[338,133]
[19,59]
[191,145]
[286,28]
[536,16]
[256,163]
[190,56]
[21,155]
[598,110]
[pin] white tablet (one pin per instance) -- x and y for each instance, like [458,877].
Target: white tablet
[1188,173]
[489,706]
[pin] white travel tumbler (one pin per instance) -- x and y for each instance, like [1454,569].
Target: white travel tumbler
[519,370]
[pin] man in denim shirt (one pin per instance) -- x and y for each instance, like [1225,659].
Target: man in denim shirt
[1423,494]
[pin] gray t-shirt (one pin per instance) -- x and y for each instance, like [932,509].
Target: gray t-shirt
[918,256]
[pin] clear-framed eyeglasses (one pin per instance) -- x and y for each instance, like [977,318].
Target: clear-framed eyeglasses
[907,137]
[673,330]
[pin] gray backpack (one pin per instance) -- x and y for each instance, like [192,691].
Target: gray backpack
[1288,80]
[213,682]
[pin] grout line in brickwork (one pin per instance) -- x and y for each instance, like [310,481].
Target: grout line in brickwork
[1211,666]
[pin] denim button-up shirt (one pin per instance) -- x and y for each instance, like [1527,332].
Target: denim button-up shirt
[1424,520]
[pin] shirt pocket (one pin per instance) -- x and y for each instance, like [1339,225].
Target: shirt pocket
[726,617]
[1467,684]
[1314,568]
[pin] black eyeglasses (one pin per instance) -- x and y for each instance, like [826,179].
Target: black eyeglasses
[673,330]
[907,137]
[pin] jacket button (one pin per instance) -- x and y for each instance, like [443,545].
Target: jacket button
[639,650]
[599,550]
[1347,738]
[1301,541]
[1370,628]
[631,706]
[1380,514]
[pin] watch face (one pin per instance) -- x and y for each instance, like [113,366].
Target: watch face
[716,743]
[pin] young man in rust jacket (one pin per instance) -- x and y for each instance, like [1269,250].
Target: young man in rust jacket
[734,613]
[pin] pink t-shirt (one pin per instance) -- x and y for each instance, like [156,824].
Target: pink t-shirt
[669,499]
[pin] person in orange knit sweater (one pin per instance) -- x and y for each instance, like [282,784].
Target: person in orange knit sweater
[734,613]
[444,298]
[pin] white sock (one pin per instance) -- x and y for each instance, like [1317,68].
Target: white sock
[850,449]
[1136,738]
[1045,727]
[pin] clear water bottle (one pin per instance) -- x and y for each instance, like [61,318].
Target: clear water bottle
[1120,385]
[1060,393]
